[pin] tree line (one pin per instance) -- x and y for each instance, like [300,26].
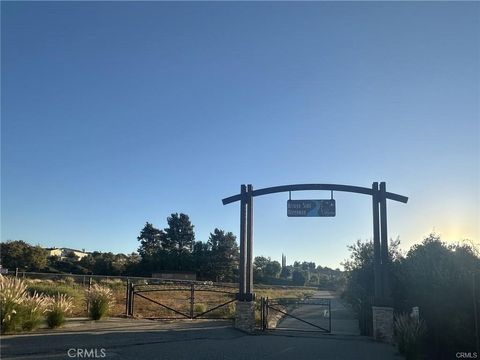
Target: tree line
[442,279]
[173,248]
[267,271]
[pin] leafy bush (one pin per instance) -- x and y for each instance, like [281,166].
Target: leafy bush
[53,289]
[409,333]
[31,311]
[200,308]
[100,299]
[58,308]
[12,295]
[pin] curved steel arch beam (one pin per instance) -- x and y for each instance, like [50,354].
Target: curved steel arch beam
[302,187]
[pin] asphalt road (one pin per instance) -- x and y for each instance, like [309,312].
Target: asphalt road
[117,338]
[343,320]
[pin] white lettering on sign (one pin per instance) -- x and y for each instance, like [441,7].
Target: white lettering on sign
[310,208]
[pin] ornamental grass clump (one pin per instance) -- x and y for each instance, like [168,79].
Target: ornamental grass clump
[12,296]
[100,300]
[58,309]
[32,310]
[409,332]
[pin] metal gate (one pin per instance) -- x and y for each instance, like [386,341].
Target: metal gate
[180,300]
[296,315]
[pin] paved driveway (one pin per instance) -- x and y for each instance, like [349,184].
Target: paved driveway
[343,320]
[185,340]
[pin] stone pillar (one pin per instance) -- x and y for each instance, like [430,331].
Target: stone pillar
[383,323]
[245,316]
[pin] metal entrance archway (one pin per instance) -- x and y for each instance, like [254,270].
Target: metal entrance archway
[380,239]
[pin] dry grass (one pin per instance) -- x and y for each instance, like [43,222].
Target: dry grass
[175,296]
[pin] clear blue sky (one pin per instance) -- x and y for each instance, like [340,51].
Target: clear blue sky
[118,113]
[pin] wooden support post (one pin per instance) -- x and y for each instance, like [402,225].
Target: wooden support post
[384,243]
[377,266]
[243,242]
[249,247]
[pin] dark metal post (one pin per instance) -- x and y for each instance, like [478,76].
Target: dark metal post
[16,272]
[192,299]
[262,313]
[132,301]
[266,313]
[243,242]
[88,301]
[384,242]
[249,264]
[329,315]
[377,267]
[129,289]
[127,297]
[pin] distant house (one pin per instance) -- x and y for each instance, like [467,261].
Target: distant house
[175,275]
[64,253]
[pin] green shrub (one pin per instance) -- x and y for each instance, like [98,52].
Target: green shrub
[53,289]
[31,311]
[100,299]
[200,308]
[58,309]
[409,333]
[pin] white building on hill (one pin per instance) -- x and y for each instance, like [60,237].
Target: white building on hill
[64,253]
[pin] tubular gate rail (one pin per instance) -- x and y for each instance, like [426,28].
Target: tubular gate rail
[322,321]
[178,300]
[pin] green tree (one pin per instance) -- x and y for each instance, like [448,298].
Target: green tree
[20,254]
[272,269]
[314,280]
[177,245]
[308,266]
[438,278]
[179,236]
[203,261]
[224,254]
[360,276]
[286,272]
[259,265]
[299,277]
[150,241]
[132,264]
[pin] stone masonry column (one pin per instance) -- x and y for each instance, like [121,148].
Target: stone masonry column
[383,323]
[245,316]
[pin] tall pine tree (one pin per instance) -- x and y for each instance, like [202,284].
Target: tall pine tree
[224,255]
[151,240]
